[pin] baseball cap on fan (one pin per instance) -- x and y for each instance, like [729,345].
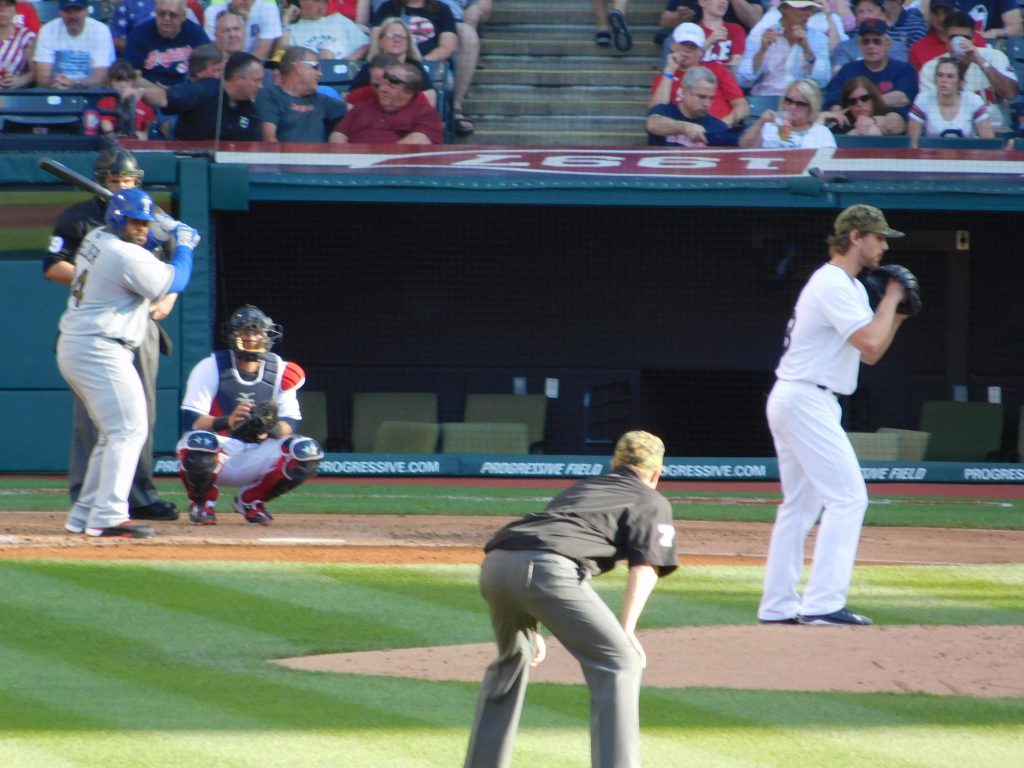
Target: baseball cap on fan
[949,5]
[65,4]
[864,218]
[688,32]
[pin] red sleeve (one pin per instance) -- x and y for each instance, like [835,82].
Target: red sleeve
[359,95]
[29,17]
[727,84]
[293,376]
[196,8]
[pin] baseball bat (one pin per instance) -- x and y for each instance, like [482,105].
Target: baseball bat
[74,178]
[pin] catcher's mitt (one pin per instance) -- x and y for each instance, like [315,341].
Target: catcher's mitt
[878,279]
[258,424]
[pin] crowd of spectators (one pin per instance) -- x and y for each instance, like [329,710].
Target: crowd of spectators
[815,69]
[874,64]
[250,69]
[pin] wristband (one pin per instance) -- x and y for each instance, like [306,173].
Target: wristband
[220,423]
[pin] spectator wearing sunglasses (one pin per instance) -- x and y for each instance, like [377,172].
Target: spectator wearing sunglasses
[396,116]
[395,39]
[293,110]
[863,112]
[896,80]
[849,49]
[794,125]
[160,48]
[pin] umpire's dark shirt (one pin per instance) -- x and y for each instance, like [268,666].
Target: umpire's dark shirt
[598,521]
[72,226]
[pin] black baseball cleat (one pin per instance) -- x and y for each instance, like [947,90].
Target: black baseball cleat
[793,620]
[123,531]
[158,510]
[841,618]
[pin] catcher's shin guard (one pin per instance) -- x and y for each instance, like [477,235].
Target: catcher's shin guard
[299,462]
[200,465]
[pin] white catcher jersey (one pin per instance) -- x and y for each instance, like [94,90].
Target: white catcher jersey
[114,283]
[831,308]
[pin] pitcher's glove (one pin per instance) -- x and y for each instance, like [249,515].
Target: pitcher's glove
[878,279]
[259,423]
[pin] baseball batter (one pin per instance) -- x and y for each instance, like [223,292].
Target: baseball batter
[240,415]
[538,570]
[115,169]
[831,332]
[107,317]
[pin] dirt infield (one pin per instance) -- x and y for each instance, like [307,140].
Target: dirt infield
[976,661]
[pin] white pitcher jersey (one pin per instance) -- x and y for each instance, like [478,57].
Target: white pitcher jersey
[832,306]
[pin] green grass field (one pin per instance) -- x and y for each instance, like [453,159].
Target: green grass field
[163,664]
[48,493]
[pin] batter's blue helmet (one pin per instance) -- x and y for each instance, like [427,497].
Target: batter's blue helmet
[128,204]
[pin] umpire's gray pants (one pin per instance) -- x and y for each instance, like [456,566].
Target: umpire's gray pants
[522,589]
[84,434]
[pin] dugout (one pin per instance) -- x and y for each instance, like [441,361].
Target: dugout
[580,271]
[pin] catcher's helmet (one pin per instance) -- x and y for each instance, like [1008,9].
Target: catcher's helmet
[128,204]
[116,162]
[251,320]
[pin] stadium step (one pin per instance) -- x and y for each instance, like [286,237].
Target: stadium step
[541,80]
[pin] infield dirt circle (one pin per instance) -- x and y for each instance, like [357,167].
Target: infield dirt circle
[952,660]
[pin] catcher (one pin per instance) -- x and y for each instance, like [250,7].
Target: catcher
[240,416]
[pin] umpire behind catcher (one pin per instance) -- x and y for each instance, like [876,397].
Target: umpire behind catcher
[538,570]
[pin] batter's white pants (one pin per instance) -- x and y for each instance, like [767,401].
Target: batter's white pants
[102,373]
[819,470]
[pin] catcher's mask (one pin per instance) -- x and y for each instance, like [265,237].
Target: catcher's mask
[251,322]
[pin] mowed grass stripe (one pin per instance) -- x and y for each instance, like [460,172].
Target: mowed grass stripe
[46,493]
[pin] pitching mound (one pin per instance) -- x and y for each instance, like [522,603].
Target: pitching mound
[969,661]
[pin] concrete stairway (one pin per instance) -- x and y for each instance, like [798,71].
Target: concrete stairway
[542,81]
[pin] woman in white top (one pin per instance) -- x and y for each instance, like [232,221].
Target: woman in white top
[794,125]
[948,110]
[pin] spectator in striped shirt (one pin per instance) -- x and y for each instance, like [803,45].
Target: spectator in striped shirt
[16,44]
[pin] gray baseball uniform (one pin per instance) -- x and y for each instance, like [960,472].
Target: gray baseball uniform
[538,570]
[106,319]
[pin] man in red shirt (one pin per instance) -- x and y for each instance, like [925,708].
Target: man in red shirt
[688,43]
[933,44]
[395,116]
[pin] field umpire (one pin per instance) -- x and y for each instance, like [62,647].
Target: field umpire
[538,570]
[115,169]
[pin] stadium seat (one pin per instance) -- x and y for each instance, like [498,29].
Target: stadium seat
[759,104]
[912,444]
[1020,435]
[371,409]
[43,111]
[853,141]
[955,142]
[531,410]
[962,431]
[483,437]
[313,405]
[406,437]
[443,79]
[338,73]
[875,446]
